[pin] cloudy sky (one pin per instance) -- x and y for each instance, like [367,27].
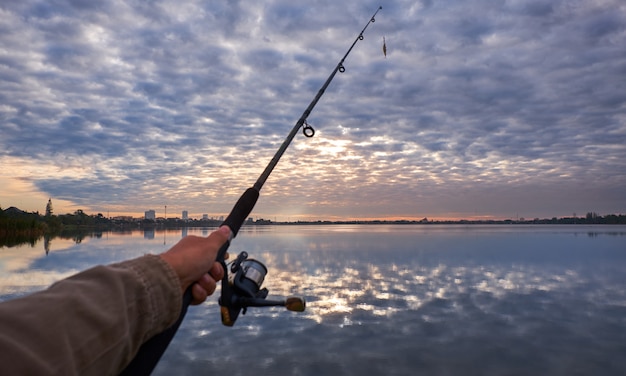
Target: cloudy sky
[481,108]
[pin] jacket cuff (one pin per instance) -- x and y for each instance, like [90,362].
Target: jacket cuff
[163,291]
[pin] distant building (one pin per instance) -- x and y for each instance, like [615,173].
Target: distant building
[205,217]
[185,215]
[126,218]
[150,214]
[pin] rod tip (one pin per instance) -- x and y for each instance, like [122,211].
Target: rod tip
[380,7]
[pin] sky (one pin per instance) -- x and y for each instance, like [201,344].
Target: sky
[480,109]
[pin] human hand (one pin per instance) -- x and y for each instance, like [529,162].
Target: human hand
[193,260]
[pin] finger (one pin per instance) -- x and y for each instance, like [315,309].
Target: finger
[217,272]
[217,239]
[207,283]
[222,235]
[198,293]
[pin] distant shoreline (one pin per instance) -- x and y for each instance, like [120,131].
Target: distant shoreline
[560,221]
[13,237]
[16,224]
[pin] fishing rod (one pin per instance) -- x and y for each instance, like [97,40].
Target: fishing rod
[243,289]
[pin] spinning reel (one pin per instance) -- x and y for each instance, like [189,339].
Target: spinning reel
[242,289]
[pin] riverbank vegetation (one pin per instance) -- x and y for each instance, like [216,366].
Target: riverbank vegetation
[17,226]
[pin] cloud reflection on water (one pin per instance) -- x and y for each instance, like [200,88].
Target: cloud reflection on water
[477,301]
[401,300]
[383,290]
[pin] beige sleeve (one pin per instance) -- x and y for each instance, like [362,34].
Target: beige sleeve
[92,323]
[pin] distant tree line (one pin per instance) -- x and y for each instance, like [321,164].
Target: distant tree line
[15,222]
[589,219]
[21,226]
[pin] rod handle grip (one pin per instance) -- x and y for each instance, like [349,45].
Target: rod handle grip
[241,210]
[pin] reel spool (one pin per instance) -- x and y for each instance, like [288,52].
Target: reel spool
[242,289]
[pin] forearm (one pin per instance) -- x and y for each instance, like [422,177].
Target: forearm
[91,323]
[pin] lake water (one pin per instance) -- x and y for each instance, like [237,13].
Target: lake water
[390,299]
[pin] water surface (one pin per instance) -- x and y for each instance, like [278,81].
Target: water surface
[391,299]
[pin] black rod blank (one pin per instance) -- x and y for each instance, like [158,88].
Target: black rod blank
[151,351]
[268,170]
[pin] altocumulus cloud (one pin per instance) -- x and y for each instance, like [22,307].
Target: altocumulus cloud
[480,108]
